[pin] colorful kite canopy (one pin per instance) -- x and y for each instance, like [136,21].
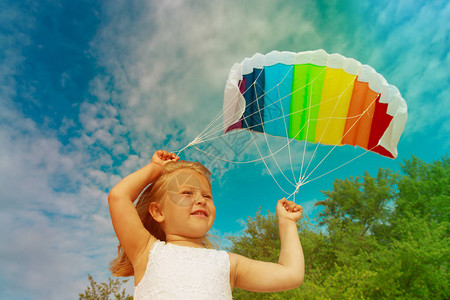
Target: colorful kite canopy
[317,97]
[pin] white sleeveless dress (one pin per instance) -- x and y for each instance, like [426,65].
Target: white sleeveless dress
[178,272]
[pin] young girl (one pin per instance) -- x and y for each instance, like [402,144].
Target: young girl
[163,241]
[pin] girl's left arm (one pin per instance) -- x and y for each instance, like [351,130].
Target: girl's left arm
[289,272]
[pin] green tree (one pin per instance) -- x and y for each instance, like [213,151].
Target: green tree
[419,229]
[424,190]
[104,291]
[352,213]
[361,201]
[402,247]
[378,237]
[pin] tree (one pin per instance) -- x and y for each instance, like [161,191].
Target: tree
[103,291]
[425,190]
[404,242]
[361,201]
[379,237]
[419,231]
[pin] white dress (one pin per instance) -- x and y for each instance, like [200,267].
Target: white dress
[178,272]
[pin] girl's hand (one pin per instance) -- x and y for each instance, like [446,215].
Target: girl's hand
[288,210]
[162,157]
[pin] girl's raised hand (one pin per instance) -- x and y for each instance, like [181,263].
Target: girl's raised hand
[288,210]
[161,157]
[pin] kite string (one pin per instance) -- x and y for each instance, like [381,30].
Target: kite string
[210,133]
[307,130]
[325,129]
[286,130]
[265,164]
[340,141]
[259,109]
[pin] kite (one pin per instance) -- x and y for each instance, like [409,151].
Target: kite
[316,97]
[312,97]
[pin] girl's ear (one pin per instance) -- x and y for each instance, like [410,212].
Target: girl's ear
[156,212]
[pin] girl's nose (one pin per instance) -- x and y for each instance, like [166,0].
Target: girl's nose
[200,200]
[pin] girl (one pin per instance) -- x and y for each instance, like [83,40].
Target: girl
[163,241]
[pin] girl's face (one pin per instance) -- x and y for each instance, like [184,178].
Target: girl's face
[188,208]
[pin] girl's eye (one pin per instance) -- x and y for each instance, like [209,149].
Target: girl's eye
[186,192]
[207,196]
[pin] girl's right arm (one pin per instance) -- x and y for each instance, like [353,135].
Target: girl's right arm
[129,229]
[288,273]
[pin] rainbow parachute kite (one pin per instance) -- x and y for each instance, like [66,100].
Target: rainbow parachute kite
[316,97]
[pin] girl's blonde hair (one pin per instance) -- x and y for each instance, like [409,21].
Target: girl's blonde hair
[155,192]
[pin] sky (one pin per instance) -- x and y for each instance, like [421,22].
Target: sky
[90,89]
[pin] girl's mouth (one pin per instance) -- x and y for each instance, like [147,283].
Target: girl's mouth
[200,212]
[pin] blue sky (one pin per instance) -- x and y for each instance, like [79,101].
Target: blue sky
[90,89]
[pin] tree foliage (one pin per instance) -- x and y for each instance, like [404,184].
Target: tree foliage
[105,291]
[377,237]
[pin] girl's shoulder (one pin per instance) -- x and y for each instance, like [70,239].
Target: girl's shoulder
[234,261]
[141,262]
[234,258]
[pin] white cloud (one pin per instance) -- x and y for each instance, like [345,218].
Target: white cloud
[415,55]
[48,202]
[173,67]
[51,214]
